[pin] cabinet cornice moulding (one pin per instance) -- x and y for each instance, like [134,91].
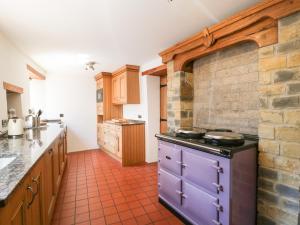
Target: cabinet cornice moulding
[258,23]
[102,74]
[156,71]
[126,68]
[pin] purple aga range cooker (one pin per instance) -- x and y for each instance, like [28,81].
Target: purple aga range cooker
[209,180]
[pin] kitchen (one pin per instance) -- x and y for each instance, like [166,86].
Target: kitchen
[195,123]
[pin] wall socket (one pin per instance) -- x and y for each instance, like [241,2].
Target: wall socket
[4,123]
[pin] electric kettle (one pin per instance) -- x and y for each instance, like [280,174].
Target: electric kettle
[15,127]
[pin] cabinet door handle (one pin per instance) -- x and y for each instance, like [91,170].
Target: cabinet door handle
[168,157]
[216,222]
[36,182]
[32,196]
[218,186]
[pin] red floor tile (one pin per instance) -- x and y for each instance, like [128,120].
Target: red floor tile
[97,190]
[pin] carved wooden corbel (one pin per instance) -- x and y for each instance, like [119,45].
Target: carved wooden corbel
[258,23]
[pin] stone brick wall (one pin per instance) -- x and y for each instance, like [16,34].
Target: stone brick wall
[279,127]
[225,93]
[244,87]
[180,99]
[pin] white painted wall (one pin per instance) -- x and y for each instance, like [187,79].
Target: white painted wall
[149,109]
[13,70]
[38,95]
[74,95]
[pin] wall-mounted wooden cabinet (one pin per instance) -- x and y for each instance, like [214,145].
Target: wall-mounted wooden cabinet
[125,85]
[105,109]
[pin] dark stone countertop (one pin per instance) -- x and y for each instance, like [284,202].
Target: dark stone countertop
[21,155]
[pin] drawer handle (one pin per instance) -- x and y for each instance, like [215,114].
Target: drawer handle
[216,222]
[219,207]
[168,157]
[218,186]
[218,168]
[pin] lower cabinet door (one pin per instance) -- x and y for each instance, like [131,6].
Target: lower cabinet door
[200,170]
[199,205]
[169,187]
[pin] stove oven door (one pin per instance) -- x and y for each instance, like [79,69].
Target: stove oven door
[201,171]
[169,157]
[200,206]
[169,187]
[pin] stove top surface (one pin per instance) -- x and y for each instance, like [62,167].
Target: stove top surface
[201,144]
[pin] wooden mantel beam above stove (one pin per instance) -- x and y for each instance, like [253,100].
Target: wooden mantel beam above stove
[258,23]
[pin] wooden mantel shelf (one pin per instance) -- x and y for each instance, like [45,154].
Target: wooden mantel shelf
[258,23]
[156,71]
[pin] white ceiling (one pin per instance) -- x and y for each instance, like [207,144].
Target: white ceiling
[61,35]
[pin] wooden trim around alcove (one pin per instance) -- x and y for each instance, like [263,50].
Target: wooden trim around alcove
[258,24]
[156,71]
[34,74]
[12,88]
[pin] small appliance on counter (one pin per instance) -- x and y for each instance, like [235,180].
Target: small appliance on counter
[15,125]
[29,120]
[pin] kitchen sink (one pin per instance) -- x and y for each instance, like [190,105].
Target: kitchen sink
[6,161]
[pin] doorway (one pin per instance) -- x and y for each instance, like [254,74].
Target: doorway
[163,104]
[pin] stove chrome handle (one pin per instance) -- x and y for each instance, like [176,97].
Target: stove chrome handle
[184,196]
[218,186]
[216,222]
[183,165]
[218,206]
[179,192]
[218,168]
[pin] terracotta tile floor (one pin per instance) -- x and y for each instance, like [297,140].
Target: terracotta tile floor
[97,190]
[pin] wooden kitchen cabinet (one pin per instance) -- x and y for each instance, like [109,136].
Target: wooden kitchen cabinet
[49,186]
[56,167]
[34,196]
[125,85]
[125,143]
[33,200]
[105,109]
[15,212]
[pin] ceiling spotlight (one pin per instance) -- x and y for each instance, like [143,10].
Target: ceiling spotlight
[170,1]
[90,65]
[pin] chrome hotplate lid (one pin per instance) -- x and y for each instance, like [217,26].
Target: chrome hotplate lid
[191,131]
[223,136]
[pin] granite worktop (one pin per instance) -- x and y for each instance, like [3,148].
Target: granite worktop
[18,156]
[125,122]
